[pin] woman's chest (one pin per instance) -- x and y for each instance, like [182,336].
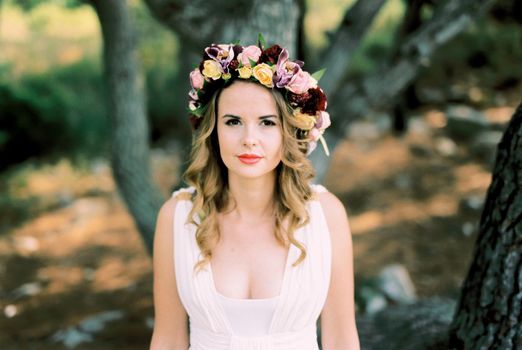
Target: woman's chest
[248,265]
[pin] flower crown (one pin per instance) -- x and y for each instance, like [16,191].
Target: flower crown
[270,67]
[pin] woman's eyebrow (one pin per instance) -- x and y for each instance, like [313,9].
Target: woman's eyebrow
[261,117]
[268,116]
[230,116]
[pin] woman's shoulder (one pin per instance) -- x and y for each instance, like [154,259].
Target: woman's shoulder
[321,194]
[168,208]
[183,193]
[333,207]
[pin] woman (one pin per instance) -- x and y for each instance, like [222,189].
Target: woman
[251,254]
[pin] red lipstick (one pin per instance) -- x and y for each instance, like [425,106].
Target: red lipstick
[249,158]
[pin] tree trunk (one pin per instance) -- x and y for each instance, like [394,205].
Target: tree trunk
[130,130]
[489,312]
[199,22]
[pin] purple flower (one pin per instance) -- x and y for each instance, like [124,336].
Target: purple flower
[222,54]
[285,69]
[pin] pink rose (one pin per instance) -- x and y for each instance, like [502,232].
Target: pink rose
[251,52]
[196,79]
[324,121]
[301,82]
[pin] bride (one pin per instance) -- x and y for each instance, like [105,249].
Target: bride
[252,255]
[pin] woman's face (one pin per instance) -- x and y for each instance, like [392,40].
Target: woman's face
[249,130]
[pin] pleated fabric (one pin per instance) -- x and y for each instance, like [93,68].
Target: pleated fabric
[302,297]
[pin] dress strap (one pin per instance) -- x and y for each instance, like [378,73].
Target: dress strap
[316,189]
[184,193]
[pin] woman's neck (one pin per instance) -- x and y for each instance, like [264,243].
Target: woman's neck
[254,198]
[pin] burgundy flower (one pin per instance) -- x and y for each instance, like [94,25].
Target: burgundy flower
[296,100]
[237,50]
[315,102]
[234,64]
[271,54]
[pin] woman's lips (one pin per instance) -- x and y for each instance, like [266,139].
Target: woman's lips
[249,159]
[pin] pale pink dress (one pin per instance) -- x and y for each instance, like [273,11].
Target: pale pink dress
[285,322]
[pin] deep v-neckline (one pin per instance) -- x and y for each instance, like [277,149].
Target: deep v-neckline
[285,273]
[280,297]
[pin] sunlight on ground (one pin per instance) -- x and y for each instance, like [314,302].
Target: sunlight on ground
[472,178]
[62,178]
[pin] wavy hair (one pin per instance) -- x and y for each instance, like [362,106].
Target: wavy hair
[208,174]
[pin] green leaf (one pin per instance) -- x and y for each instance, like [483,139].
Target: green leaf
[261,40]
[319,74]
[252,62]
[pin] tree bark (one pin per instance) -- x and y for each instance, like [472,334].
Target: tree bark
[199,22]
[130,130]
[489,312]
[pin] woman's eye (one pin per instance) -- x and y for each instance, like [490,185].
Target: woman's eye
[268,123]
[232,122]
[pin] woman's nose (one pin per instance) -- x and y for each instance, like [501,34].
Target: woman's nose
[250,136]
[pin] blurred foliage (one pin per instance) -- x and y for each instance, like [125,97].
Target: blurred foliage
[487,55]
[28,5]
[53,98]
[52,113]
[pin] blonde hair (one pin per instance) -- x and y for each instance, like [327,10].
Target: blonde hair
[208,175]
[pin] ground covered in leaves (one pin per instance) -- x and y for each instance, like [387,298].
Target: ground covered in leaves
[69,249]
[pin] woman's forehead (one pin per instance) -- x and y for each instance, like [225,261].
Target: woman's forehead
[247,98]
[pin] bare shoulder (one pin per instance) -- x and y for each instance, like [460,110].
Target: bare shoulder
[167,210]
[334,210]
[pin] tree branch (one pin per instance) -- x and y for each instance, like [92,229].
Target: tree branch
[356,22]
[379,90]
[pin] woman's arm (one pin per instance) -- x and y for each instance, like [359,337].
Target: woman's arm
[338,328]
[171,320]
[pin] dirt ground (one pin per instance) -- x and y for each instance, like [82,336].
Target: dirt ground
[412,199]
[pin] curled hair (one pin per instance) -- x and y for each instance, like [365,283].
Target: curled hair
[209,176]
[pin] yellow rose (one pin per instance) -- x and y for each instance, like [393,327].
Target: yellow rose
[304,121]
[245,72]
[263,73]
[226,76]
[212,69]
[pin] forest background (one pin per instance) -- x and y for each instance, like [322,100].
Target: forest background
[413,176]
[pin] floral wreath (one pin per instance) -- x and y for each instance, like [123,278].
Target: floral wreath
[223,63]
